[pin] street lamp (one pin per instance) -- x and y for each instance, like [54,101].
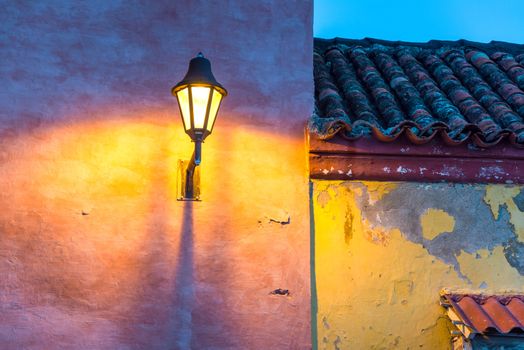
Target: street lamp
[199,96]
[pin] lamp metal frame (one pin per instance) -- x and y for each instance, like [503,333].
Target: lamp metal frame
[199,74]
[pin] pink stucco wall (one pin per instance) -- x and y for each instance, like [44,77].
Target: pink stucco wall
[95,251]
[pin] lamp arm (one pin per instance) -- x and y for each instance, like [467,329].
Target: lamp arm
[195,160]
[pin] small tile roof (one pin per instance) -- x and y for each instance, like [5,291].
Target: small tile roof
[462,91]
[487,313]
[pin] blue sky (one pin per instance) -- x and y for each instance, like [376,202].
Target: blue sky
[422,20]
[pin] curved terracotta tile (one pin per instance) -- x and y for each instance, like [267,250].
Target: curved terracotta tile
[440,89]
[503,320]
[498,80]
[330,101]
[483,313]
[473,315]
[460,96]
[407,94]
[440,105]
[384,99]
[516,307]
[501,112]
[353,92]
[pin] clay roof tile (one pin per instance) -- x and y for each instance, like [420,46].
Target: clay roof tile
[486,313]
[462,91]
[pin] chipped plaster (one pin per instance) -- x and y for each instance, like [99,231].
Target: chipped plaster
[507,198]
[436,221]
[381,260]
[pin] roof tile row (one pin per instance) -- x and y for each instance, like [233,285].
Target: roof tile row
[461,92]
[489,313]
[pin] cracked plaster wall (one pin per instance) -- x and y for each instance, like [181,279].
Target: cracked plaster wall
[383,251]
[95,251]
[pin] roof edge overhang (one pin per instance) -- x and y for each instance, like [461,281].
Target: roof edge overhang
[484,313]
[322,44]
[400,160]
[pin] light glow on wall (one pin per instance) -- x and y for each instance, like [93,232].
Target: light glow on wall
[95,203]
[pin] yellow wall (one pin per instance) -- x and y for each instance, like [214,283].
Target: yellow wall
[383,251]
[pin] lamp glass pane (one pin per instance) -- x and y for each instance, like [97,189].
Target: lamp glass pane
[200,96]
[213,110]
[183,102]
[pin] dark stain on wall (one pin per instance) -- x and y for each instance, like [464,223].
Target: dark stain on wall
[514,252]
[519,200]
[348,223]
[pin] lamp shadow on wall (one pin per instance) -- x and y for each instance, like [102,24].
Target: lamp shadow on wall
[164,304]
[118,246]
[159,271]
[213,315]
[184,280]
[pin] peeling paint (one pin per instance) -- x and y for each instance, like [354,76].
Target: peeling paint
[451,171]
[276,216]
[495,172]
[497,196]
[377,190]
[507,198]
[406,203]
[435,222]
[519,200]
[323,198]
[402,170]
[383,251]
[375,234]
[492,270]
[514,253]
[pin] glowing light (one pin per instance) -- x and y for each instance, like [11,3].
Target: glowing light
[200,96]
[183,102]
[215,104]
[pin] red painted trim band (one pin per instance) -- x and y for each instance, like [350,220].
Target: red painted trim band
[367,159]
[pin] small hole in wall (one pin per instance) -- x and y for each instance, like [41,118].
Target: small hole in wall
[280,291]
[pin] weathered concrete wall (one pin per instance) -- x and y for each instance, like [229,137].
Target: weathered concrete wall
[383,251]
[95,251]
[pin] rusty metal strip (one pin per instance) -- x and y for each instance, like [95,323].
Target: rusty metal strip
[404,147]
[401,161]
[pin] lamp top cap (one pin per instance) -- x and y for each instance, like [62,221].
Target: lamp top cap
[199,73]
